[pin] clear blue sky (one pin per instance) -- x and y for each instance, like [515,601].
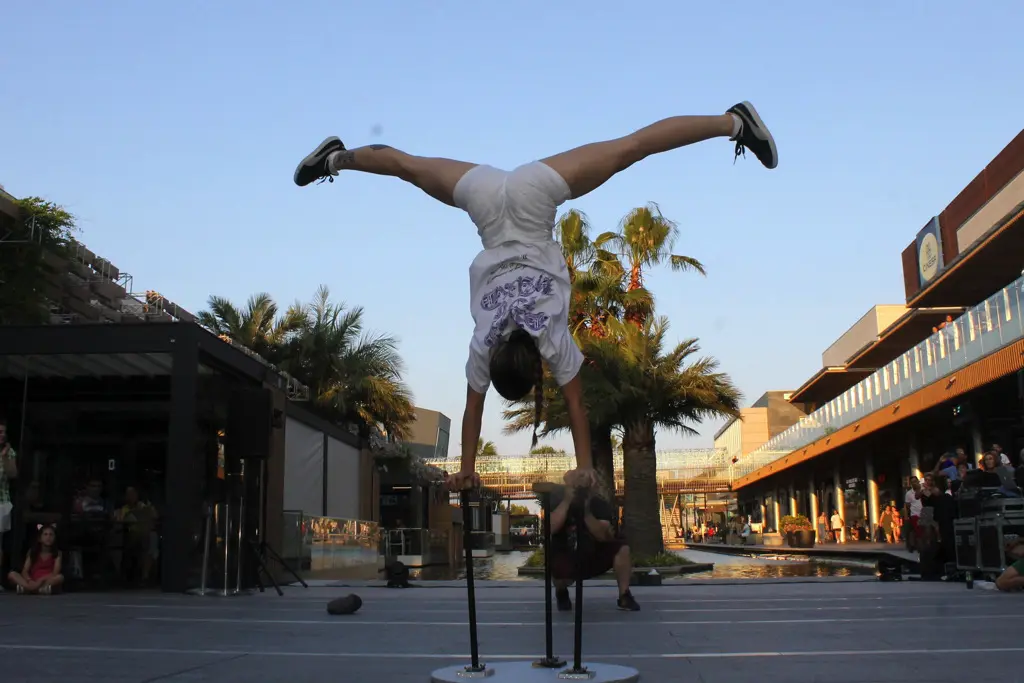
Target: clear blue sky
[171,129]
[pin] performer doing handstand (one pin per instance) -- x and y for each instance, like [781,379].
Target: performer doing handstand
[519,283]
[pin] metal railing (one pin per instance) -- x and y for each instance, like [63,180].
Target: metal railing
[396,542]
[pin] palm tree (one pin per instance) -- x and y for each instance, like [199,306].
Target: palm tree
[645,239]
[631,385]
[356,376]
[485,448]
[597,277]
[256,327]
[669,389]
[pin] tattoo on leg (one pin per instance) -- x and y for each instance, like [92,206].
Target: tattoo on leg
[344,158]
[377,148]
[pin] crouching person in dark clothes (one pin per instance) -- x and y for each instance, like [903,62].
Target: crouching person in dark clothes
[602,549]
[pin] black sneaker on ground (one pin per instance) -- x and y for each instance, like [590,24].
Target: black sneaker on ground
[754,135]
[627,603]
[563,600]
[314,167]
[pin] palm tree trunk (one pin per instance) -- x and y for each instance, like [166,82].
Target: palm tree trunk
[604,464]
[641,515]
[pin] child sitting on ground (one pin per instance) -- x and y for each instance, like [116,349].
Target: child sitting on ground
[41,573]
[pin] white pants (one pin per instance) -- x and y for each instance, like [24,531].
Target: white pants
[512,206]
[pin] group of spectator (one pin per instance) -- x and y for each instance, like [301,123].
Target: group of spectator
[930,504]
[100,539]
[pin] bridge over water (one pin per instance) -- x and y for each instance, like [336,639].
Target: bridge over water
[689,471]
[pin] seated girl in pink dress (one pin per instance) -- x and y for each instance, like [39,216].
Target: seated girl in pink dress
[41,573]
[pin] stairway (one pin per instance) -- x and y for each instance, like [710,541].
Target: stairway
[671,520]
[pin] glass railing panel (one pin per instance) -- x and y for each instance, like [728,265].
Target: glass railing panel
[943,348]
[341,544]
[972,336]
[988,324]
[1013,326]
[955,339]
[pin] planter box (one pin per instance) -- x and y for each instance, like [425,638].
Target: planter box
[803,538]
[774,540]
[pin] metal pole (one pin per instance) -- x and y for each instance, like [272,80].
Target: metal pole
[206,550]
[577,648]
[549,661]
[226,512]
[238,551]
[467,541]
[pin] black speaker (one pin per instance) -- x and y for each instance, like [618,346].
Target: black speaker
[250,417]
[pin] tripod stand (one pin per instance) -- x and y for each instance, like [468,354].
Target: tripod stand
[261,551]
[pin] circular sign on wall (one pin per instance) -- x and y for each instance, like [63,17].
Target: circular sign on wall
[928,257]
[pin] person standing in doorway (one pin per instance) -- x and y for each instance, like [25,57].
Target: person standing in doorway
[822,527]
[837,526]
[912,509]
[8,471]
[885,523]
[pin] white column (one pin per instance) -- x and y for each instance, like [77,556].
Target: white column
[869,473]
[775,509]
[812,497]
[915,460]
[840,498]
[792,500]
[763,509]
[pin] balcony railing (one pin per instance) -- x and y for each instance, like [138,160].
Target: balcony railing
[401,542]
[982,330]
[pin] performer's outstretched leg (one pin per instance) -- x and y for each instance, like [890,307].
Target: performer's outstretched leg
[437,177]
[588,167]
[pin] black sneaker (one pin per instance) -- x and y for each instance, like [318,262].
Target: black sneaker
[754,135]
[627,603]
[314,167]
[563,600]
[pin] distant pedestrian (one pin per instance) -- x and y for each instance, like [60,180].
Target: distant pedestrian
[837,527]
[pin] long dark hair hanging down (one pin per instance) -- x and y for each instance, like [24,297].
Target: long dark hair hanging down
[538,399]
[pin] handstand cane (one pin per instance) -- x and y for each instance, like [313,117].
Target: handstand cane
[475,669]
[578,671]
[549,661]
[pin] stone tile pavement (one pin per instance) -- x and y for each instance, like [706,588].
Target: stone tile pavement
[839,631]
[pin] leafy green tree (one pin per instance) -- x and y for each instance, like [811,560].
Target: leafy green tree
[33,252]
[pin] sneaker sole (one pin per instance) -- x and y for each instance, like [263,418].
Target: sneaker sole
[312,155]
[760,124]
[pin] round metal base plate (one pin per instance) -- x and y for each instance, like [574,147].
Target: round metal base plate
[526,672]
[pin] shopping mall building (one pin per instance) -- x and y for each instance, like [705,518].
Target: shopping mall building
[908,383]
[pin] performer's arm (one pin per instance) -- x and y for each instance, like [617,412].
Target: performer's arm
[578,423]
[472,419]
[600,529]
[560,513]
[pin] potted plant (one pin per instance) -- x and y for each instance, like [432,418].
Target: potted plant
[798,531]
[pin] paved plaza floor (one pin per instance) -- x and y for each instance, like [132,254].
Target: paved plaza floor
[834,630]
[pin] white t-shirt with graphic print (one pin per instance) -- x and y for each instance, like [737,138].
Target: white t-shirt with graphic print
[516,285]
